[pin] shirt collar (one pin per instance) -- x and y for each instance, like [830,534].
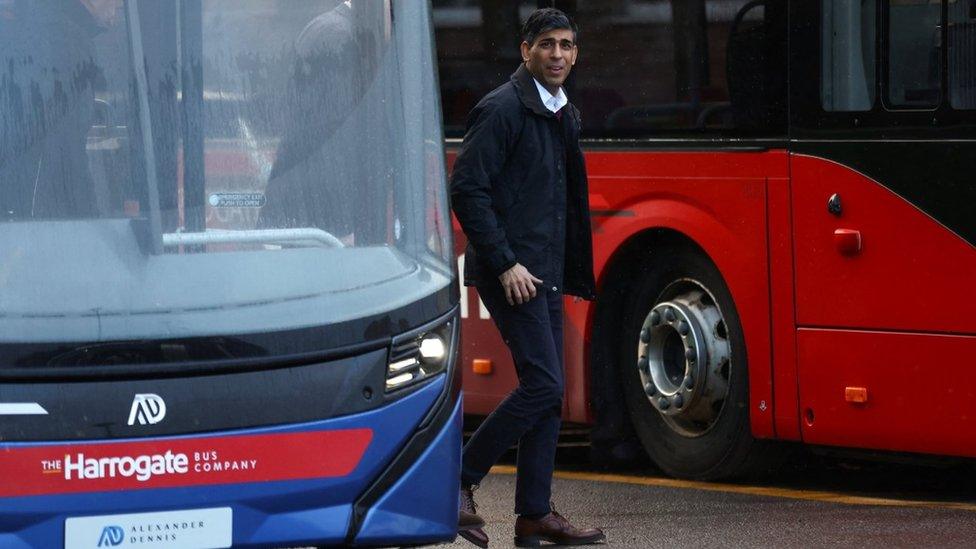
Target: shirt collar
[552,102]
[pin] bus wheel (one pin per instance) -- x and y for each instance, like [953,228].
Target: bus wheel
[683,364]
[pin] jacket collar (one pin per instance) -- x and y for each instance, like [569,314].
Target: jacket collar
[527,92]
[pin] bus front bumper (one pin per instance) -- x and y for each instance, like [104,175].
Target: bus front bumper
[387,476]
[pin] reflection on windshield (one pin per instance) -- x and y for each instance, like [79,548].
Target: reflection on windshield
[46,107]
[216,158]
[330,167]
[332,73]
[266,115]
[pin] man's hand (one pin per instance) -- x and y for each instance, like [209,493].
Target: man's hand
[519,284]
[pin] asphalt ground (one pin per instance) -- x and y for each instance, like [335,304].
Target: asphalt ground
[812,501]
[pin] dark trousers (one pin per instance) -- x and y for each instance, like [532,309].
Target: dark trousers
[531,414]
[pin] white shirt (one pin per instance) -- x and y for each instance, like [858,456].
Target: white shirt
[552,102]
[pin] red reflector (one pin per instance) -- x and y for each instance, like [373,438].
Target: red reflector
[481,366]
[857,395]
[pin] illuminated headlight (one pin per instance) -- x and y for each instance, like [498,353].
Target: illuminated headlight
[432,348]
[419,356]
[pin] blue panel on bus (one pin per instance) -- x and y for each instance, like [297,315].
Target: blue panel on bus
[422,507]
[264,512]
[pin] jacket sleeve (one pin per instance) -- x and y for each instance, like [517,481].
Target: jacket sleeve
[483,153]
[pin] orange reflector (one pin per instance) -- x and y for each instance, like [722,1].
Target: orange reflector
[481,366]
[858,395]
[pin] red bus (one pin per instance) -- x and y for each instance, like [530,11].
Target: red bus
[782,204]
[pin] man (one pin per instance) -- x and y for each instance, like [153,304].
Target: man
[519,191]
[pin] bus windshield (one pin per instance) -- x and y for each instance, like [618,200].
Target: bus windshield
[204,168]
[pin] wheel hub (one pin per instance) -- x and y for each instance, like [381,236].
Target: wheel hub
[684,358]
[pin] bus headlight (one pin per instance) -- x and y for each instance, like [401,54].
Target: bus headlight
[419,356]
[432,349]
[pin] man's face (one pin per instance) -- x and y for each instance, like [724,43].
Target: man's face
[551,57]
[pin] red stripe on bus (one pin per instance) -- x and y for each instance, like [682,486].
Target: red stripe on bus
[166,463]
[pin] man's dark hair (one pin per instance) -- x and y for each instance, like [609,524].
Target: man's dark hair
[544,20]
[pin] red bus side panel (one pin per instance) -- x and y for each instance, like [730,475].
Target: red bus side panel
[919,390]
[910,274]
[719,200]
[885,310]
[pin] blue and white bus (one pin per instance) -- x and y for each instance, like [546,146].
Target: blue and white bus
[228,302]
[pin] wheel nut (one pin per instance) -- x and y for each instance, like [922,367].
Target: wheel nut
[689,382]
[642,363]
[669,314]
[655,319]
[664,404]
[679,401]
[690,354]
[650,390]
[645,335]
[683,328]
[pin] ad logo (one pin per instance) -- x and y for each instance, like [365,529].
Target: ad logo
[111,536]
[147,409]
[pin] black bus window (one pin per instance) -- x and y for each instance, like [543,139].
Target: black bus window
[477,50]
[914,53]
[848,49]
[629,79]
[962,54]
[658,67]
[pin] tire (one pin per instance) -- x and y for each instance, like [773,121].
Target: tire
[684,371]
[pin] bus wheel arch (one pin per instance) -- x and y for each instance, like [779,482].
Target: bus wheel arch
[662,297]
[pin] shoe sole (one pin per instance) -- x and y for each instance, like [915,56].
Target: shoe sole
[536,541]
[467,535]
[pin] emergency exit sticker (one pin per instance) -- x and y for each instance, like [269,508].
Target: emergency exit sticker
[236,200]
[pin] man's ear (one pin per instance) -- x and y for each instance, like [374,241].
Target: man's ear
[525,47]
[575,55]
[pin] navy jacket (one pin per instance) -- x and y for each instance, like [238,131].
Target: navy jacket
[519,190]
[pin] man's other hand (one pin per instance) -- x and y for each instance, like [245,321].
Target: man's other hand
[519,284]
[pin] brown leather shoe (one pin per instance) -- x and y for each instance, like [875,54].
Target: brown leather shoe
[468,518]
[553,528]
